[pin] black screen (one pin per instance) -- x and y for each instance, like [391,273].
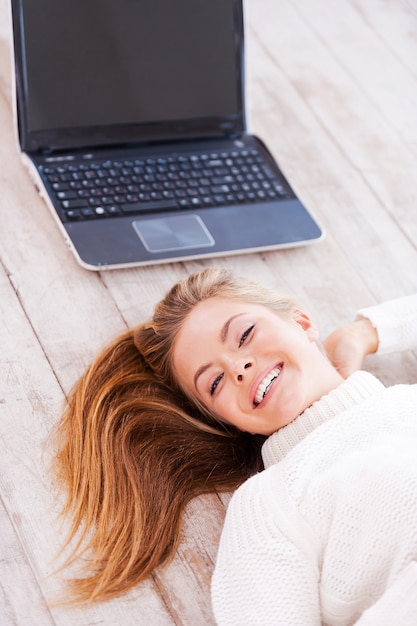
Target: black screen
[117,62]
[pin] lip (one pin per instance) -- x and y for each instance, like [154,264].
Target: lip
[259,379]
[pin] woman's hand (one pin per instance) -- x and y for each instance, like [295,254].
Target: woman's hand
[347,346]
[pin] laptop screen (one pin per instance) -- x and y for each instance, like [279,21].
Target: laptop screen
[99,71]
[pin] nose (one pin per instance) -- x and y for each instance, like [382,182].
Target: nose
[241,367]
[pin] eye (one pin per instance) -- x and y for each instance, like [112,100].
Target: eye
[246,334]
[215,384]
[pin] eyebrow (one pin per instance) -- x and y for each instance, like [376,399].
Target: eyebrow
[223,336]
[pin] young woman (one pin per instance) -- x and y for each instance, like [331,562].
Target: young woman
[185,404]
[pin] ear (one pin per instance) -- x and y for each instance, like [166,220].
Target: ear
[306,324]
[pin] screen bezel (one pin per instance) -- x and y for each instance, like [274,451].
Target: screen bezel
[55,139]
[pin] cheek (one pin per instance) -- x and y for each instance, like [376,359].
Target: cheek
[228,411]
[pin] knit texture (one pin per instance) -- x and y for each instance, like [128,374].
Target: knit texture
[320,536]
[327,534]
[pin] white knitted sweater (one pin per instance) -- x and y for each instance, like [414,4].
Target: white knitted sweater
[327,534]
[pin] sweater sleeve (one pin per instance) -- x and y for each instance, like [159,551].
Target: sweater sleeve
[395,322]
[262,575]
[398,605]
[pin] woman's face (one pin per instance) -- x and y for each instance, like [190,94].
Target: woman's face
[251,366]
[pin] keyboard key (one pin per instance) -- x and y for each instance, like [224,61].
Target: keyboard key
[67,195]
[110,187]
[221,189]
[155,205]
[73,204]
[219,180]
[113,210]
[73,214]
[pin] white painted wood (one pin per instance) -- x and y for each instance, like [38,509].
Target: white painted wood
[21,599]
[332,89]
[386,147]
[340,197]
[30,399]
[395,22]
[389,75]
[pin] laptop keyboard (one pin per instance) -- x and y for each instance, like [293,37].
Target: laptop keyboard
[97,189]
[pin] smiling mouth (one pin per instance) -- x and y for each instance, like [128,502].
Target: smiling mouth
[265,384]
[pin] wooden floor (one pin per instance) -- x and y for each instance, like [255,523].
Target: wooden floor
[332,88]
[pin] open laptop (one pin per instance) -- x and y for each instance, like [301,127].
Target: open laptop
[131,120]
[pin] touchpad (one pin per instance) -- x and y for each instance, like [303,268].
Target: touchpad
[176,232]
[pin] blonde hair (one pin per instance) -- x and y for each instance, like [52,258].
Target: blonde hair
[133,450]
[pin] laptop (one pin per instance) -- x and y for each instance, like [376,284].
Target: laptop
[131,120]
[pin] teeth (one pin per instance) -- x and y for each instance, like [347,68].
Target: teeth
[265,384]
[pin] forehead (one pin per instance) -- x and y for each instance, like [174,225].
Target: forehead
[209,316]
[214,311]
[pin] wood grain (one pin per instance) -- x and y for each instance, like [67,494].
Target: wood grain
[332,90]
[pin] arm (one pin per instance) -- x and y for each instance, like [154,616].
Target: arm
[387,327]
[265,584]
[398,605]
[264,575]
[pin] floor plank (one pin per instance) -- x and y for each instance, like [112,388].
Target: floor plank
[30,400]
[332,90]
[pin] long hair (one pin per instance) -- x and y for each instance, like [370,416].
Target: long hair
[133,450]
